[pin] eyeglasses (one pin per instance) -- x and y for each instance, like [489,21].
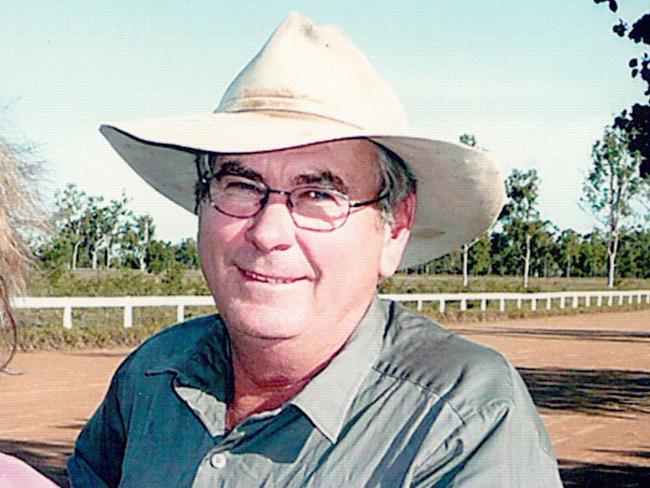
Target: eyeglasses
[314,208]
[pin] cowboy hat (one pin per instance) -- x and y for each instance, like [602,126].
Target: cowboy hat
[311,84]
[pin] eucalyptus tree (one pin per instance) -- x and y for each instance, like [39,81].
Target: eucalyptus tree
[569,244]
[610,187]
[636,120]
[71,220]
[139,239]
[593,254]
[520,217]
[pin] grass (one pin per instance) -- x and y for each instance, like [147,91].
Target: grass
[103,328]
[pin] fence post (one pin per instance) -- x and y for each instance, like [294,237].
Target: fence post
[599,301]
[502,304]
[562,301]
[180,313]
[128,316]
[67,316]
[483,304]
[463,304]
[533,304]
[610,300]
[442,305]
[587,301]
[574,303]
[519,303]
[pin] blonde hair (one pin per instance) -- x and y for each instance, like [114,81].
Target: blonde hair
[19,213]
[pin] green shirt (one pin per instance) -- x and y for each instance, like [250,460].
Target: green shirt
[404,403]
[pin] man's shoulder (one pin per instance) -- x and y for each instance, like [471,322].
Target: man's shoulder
[173,345]
[465,374]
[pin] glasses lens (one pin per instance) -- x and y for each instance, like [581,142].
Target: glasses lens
[236,196]
[319,208]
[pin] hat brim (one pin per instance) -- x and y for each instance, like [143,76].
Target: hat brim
[460,189]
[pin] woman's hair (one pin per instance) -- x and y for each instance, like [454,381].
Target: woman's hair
[19,213]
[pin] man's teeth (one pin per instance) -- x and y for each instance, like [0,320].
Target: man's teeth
[267,279]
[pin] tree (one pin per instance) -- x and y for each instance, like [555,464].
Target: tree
[569,244]
[187,253]
[544,251]
[139,239]
[480,258]
[634,253]
[520,217]
[636,122]
[593,254]
[107,227]
[610,187]
[71,219]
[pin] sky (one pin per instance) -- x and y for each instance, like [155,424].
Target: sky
[535,81]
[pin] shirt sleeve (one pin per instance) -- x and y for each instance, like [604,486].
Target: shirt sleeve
[502,444]
[99,450]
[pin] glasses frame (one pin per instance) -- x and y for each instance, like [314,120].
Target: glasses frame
[207,179]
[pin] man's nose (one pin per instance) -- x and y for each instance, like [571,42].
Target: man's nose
[272,229]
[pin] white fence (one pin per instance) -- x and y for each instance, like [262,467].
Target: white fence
[573,299]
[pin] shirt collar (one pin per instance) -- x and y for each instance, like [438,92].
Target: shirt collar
[327,398]
[205,364]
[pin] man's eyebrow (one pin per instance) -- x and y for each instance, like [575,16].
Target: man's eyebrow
[231,167]
[326,178]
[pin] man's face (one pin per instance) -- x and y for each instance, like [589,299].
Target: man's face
[273,280]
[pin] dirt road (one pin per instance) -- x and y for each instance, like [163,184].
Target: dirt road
[589,375]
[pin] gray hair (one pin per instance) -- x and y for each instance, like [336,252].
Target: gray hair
[397,179]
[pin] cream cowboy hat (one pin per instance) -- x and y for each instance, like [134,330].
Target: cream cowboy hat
[311,84]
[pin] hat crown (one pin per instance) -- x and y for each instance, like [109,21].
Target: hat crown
[315,71]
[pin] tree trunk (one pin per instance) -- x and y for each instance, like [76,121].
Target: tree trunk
[527,261]
[109,254]
[465,259]
[75,254]
[611,254]
[94,253]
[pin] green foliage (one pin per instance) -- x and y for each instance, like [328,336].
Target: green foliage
[89,233]
[124,282]
[612,181]
[522,227]
[611,186]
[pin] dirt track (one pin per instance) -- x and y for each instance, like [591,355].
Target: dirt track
[589,375]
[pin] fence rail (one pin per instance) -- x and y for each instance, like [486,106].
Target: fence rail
[573,299]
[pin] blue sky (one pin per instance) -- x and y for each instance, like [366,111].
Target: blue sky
[534,80]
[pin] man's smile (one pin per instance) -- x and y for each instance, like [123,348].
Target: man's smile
[268,278]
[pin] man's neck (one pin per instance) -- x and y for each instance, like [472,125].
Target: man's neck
[268,373]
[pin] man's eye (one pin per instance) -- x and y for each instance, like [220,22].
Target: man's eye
[317,196]
[240,186]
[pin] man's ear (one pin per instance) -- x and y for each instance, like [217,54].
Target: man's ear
[396,236]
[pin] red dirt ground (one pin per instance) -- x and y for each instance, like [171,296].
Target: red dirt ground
[589,375]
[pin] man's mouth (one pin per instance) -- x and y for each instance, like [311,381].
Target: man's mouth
[273,280]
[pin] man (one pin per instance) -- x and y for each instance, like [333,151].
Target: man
[304,182]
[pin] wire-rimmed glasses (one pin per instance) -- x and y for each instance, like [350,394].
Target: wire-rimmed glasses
[315,208]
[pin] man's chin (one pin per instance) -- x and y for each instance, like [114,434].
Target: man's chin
[266,321]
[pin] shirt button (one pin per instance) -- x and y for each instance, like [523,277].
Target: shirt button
[218,460]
